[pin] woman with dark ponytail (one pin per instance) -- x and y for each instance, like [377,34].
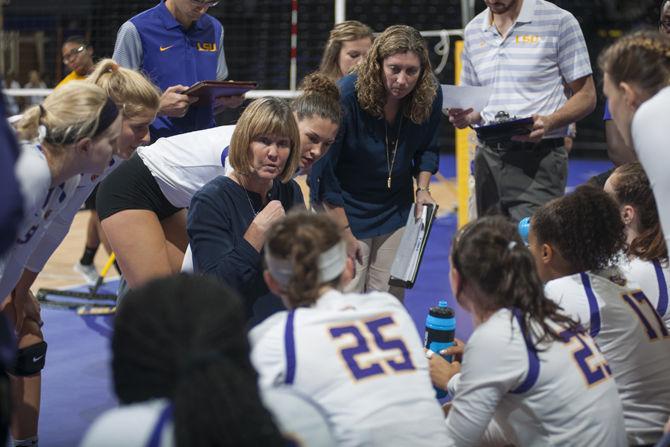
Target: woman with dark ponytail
[647,252]
[181,371]
[577,242]
[523,368]
[357,356]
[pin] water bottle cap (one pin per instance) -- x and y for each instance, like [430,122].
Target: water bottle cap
[524,229]
[441,310]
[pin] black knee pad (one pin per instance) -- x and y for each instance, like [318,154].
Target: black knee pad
[29,360]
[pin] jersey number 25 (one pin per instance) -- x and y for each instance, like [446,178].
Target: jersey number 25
[368,339]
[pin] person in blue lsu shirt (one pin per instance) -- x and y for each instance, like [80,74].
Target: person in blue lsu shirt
[177,44]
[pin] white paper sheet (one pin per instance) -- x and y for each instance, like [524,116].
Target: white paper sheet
[465,97]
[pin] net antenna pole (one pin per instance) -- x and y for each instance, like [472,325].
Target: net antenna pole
[464,138]
[340,11]
[467,11]
[293,74]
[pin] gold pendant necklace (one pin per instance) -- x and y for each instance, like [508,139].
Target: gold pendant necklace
[390,159]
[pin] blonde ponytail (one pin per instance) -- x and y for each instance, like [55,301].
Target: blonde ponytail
[130,90]
[68,114]
[27,127]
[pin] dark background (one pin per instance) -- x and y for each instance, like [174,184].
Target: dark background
[257,35]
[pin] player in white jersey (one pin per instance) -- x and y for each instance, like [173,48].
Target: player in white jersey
[150,192]
[73,131]
[636,81]
[181,164]
[301,421]
[577,241]
[652,277]
[530,375]
[357,356]
[138,100]
[182,374]
[647,264]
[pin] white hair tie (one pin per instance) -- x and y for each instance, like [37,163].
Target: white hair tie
[331,264]
[41,132]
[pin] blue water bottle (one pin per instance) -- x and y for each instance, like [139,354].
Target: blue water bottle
[440,329]
[524,229]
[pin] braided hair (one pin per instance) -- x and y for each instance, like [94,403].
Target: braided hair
[641,58]
[184,339]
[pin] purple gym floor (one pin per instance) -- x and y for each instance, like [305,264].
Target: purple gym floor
[76,385]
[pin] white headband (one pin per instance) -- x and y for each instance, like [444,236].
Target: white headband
[331,264]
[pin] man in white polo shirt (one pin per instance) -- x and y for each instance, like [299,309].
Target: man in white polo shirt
[526,50]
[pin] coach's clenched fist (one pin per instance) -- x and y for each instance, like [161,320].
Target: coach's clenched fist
[255,234]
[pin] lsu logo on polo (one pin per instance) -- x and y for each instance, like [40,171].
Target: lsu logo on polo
[207,46]
[527,39]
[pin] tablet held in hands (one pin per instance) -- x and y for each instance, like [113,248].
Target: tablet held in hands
[208,91]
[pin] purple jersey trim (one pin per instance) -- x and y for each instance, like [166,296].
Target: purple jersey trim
[289,346]
[593,305]
[224,155]
[533,359]
[165,416]
[662,305]
[607,116]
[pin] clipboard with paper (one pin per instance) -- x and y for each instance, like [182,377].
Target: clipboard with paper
[406,264]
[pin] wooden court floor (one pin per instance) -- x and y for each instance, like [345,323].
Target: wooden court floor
[59,273]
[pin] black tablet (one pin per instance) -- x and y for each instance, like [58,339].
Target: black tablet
[504,131]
